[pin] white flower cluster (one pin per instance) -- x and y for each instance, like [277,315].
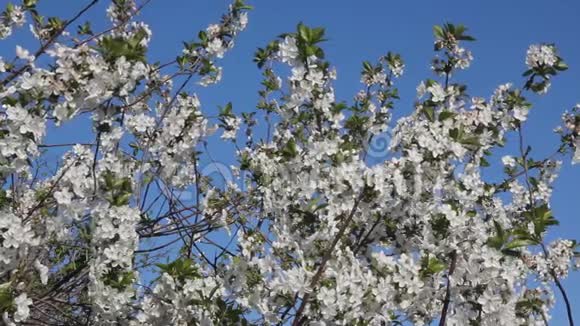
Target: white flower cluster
[539,55]
[115,240]
[121,11]
[543,63]
[232,126]
[463,58]
[448,38]
[23,130]
[219,38]
[171,148]
[169,302]
[397,68]
[17,238]
[22,303]
[561,253]
[12,16]
[570,130]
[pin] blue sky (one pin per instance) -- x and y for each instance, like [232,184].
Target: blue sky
[366,29]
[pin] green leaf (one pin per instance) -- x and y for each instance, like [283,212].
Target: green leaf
[240,5]
[29,4]
[367,67]
[317,35]
[227,110]
[511,252]
[6,297]
[561,66]
[429,113]
[202,35]
[466,38]
[440,225]
[484,162]
[182,268]
[444,115]
[290,151]
[119,279]
[122,200]
[113,48]
[85,29]
[474,140]
[304,32]
[500,237]
[244,161]
[438,31]
[518,243]
[528,72]
[454,133]
[430,266]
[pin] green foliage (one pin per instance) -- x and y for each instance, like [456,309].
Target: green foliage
[3,199]
[263,54]
[113,48]
[85,29]
[440,225]
[544,73]
[542,218]
[228,314]
[307,40]
[6,298]
[290,150]
[509,241]
[226,111]
[118,278]
[55,24]
[357,125]
[429,113]
[270,82]
[529,305]
[460,136]
[451,33]
[444,115]
[245,161]
[181,269]
[29,4]
[370,69]
[118,190]
[240,5]
[393,59]
[253,276]
[430,265]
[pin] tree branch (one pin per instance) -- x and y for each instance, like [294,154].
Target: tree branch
[298,320]
[447,300]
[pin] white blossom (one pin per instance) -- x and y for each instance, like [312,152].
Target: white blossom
[541,55]
[437,93]
[22,303]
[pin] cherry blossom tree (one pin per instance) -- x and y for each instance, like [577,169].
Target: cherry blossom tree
[306,231]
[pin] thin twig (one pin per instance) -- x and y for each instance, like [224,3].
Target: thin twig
[298,318]
[447,300]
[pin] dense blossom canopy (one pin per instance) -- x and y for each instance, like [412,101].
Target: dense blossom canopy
[307,231]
